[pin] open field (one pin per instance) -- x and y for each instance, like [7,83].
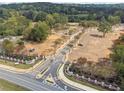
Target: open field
[8,86]
[93,47]
[47,47]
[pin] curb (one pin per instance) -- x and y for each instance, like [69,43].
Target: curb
[64,81]
[72,83]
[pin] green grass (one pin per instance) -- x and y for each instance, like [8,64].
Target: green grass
[21,66]
[8,86]
[83,82]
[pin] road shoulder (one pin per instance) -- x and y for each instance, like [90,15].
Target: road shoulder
[62,77]
[19,70]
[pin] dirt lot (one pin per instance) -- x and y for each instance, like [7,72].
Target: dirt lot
[94,46]
[47,47]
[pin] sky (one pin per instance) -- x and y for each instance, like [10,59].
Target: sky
[65,1]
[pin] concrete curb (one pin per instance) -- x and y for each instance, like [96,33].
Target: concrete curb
[62,77]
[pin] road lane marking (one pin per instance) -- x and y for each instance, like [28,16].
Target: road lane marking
[25,81]
[39,75]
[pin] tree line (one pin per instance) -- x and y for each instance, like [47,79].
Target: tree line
[75,12]
[35,28]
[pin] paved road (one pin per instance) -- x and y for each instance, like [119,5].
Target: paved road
[48,61]
[53,63]
[29,80]
[58,60]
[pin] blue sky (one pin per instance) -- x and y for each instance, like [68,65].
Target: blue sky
[66,1]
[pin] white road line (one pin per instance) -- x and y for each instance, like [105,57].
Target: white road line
[24,81]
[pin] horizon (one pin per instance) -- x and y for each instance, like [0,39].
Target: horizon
[65,2]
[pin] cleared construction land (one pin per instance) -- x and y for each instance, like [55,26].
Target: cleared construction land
[94,45]
[53,42]
[48,46]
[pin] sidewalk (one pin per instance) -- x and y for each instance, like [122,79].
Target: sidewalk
[62,77]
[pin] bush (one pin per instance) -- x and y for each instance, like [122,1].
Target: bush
[88,23]
[39,33]
[122,38]
[98,70]
[8,46]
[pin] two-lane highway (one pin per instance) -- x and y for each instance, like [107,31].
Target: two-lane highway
[57,61]
[27,82]
[53,63]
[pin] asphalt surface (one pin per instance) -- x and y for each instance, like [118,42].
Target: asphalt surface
[57,61]
[29,80]
[53,63]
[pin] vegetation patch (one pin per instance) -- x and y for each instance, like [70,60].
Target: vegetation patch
[8,86]
[118,60]
[101,73]
[21,66]
[83,82]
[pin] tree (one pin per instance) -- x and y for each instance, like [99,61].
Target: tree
[30,14]
[120,73]
[50,20]
[63,19]
[27,31]
[87,24]
[84,24]
[8,46]
[41,16]
[22,24]
[114,20]
[121,38]
[15,25]
[118,54]
[122,84]
[92,16]
[39,32]
[60,20]
[104,27]
[1,20]
[21,43]
[56,17]
[4,13]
